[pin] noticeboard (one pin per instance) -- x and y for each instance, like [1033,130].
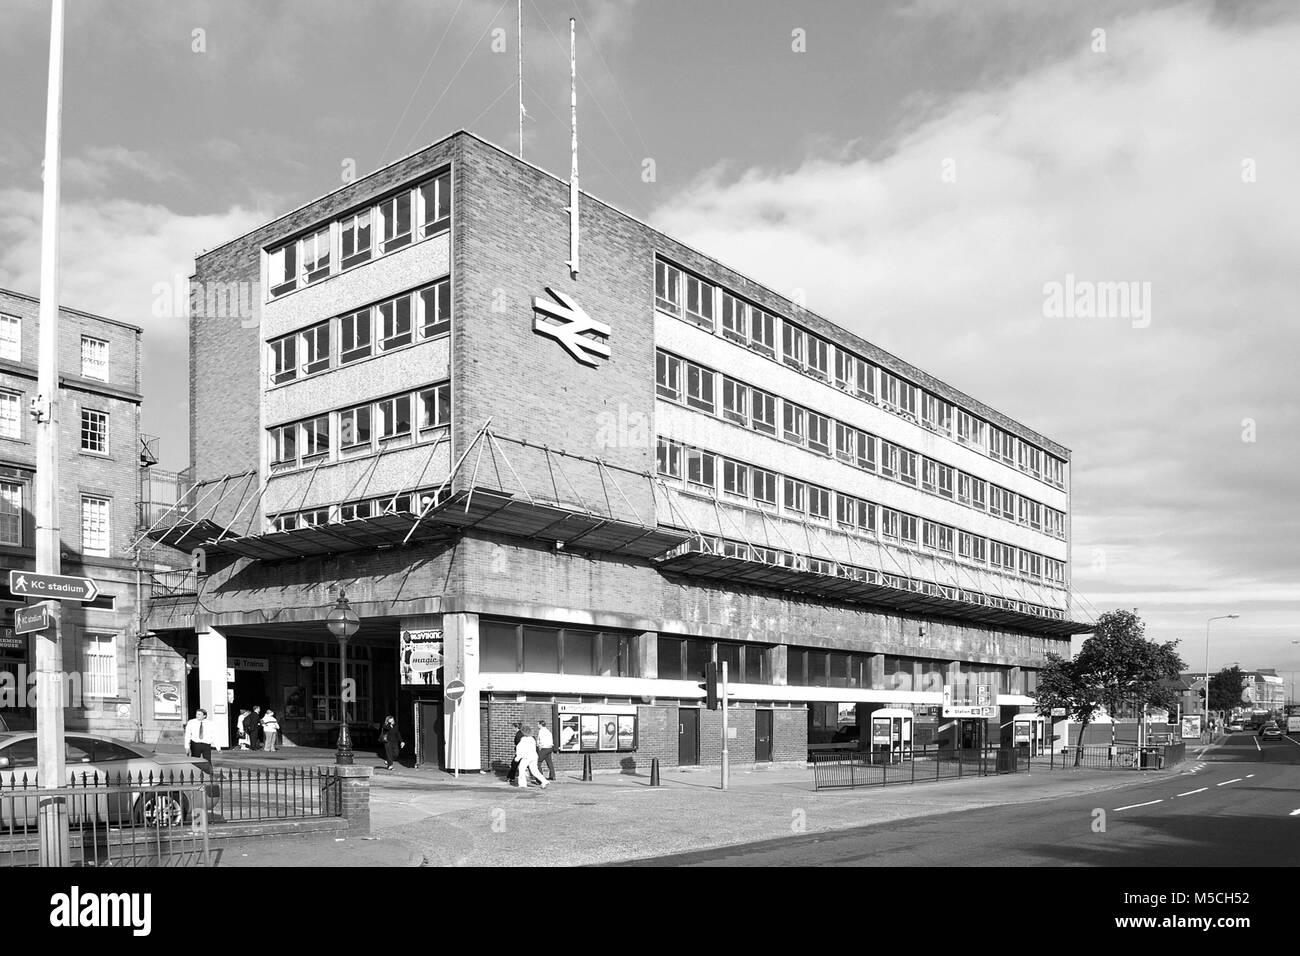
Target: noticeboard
[594,728]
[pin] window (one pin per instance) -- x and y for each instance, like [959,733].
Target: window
[284,359]
[819,427]
[1055,471]
[818,358]
[94,525]
[284,444]
[866,384]
[888,389]
[929,474]
[668,458]
[11,415]
[1003,503]
[795,429]
[315,255]
[394,417]
[699,387]
[354,427]
[762,411]
[282,269]
[762,331]
[435,204]
[735,401]
[395,221]
[845,374]
[357,509]
[796,496]
[668,376]
[819,503]
[354,336]
[11,513]
[970,430]
[940,537]
[755,670]
[94,431]
[1031,565]
[435,406]
[498,647]
[11,338]
[435,309]
[669,652]
[315,438]
[945,480]
[888,459]
[792,345]
[907,398]
[100,652]
[907,465]
[855,513]
[936,413]
[316,349]
[979,493]
[735,478]
[94,358]
[735,320]
[356,236]
[668,288]
[846,443]
[764,486]
[395,323]
[700,468]
[699,302]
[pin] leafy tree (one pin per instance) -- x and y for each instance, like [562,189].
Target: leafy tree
[1115,668]
[1226,687]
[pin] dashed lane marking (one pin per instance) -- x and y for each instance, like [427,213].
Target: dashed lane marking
[1134,806]
[1226,782]
[1295,813]
[1190,792]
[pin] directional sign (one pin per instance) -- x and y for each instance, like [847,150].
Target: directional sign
[60,587]
[455,689]
[575,329]
[28,620]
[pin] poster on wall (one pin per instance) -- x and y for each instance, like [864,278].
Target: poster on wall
[590,732]
[608,732]
[569,740]
[166,700]
[1192,727]
[626,732]
[420,654]
[295,702]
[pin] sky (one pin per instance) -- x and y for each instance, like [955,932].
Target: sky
[930,175]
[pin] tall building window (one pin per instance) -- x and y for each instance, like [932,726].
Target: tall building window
[284,359]
[435,309]
[282,266]
[94,358]
[11,415]
[395,219]
[435,204]
[316,348]
[435,406]
[395,322]
[354,336]
[94,431]
[94,525]
[699,301]
[354,428]
[356,234]
[11,513]
[668,287]
[315,255]
[100,651]
[11,338]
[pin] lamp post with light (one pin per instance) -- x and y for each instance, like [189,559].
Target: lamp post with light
[343,622]
[1221,617]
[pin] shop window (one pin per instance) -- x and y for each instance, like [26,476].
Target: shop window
[498,647]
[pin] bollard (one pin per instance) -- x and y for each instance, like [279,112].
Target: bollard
[586,766]
[654,772]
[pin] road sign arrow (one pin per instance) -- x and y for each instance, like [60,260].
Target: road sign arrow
[59,587]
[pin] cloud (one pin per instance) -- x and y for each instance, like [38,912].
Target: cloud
[102,167]
[1166,160]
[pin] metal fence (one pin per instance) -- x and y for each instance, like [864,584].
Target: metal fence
[109,826]
[288,793]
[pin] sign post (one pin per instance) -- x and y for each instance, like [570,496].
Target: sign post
[454,692]
[726,757]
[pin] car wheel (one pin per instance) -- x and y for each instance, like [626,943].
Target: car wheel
[162,810]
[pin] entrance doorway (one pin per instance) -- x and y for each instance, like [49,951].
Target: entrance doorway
[969,734]
[250,690]
[688,736]
[428,722]
[762,736]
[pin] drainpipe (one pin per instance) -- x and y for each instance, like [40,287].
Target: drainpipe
[139,639]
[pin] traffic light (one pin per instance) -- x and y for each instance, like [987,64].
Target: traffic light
[710,685]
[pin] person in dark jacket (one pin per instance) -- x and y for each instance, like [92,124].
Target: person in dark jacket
[391,739]
[514,763]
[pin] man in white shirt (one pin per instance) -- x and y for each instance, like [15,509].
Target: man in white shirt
[526,754]
[198,736]
[545,747]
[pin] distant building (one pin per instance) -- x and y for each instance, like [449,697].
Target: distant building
[1263,690]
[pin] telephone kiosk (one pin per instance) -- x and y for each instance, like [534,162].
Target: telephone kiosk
[1030,731]
[891,731]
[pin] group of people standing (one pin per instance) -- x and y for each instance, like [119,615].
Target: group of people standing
[257,731]
[530,753]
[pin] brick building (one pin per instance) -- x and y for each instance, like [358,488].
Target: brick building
[571,491]
[100,466]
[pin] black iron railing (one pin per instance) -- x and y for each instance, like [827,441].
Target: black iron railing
[920,765]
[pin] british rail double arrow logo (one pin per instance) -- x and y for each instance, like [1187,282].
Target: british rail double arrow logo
[578,332]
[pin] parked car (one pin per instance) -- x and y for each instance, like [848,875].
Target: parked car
[93,760]
[1271,731]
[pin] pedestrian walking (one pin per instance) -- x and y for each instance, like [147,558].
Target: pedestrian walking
[545,747]
[198,736]
[513,775]
[250,727]
[391,739]
[526,756]
[256,737]
[271,728]
[241,727]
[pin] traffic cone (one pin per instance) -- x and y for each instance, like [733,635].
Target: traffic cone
[586,766]
[654,772]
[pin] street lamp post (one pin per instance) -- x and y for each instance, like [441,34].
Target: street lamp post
[343,622]
[1221,617]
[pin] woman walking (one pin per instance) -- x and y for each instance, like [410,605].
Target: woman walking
[270,727]
[391,738]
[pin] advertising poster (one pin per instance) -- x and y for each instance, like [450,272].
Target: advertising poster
[295,702]
[569,739]
[626,733]
[880,730]
[166,700]
[608,732]
[1192,727]
[420,654]
[590,733]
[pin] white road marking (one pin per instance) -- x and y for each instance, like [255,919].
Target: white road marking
[1295,813]
[1226,782]
[1134,806]
[1249,775]
[1292,739]
[1257,746]
[1190,792]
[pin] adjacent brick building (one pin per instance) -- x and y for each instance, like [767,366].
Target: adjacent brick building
[570,492]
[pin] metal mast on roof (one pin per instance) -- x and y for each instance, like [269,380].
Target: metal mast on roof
[573,172]
[520,22]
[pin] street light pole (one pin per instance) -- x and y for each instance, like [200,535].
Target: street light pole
[343,622]
[1221,617]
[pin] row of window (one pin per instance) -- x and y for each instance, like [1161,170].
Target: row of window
[382,327]
[403,419]
[684,381]
[751,485]
[405,503]
[93,434]
[96,517]
[714,308]
[394,222]
[94,352]
[511,648]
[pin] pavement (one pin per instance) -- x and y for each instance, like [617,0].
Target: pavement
[430,817]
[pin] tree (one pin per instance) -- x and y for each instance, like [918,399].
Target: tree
[1116,667]
[1225,689]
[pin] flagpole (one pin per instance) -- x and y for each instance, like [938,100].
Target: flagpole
[520,27]
[573,172]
